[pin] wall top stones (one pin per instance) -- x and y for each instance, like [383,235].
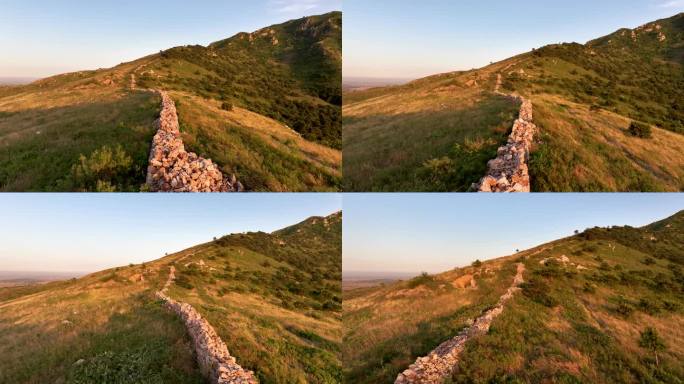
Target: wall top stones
[509,171]
[172,169]
[213,358]
[441,362]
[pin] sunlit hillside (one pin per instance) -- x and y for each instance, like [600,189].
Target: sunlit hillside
[609,115]
[264,106]
[584,314]
[274,299]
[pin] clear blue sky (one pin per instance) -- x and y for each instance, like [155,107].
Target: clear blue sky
[437,232]
[91,232]
[411,39]
[46,37]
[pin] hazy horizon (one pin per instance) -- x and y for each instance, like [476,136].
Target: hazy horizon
[405,39]
[45,38]
[86,233]
[412,233]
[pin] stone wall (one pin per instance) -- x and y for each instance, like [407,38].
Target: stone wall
[172,169]
[213,358]
[509,171]
[443,360]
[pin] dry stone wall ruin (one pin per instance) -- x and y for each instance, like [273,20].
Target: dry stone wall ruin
[172,169]
[213,358]
[509,171]
[443,360]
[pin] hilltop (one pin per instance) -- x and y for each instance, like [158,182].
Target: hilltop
[438,133]
[578,315]
[274,299]
[264,106]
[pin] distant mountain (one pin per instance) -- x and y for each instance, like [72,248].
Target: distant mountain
[603,306]
[274,299]
[264,106]
[437,133]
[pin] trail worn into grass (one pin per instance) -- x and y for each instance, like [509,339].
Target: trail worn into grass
[441,362]
[213,358]
[509,171]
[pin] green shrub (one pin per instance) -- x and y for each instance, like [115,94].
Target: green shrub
[226,106]
[623,306]
[477,264]
[648,261]
[641,130]
[649,306]
[423,279]
[183,282]
[650,340]
[538,290]
[102,170]
[588,287]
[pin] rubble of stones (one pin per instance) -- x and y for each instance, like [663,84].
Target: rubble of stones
[172,169]
[213,358]
[509,171]
[441,362]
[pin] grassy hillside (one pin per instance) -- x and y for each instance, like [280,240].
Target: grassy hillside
[586,97]
[264,106]
[275,299]
[46,127]
[289,72]
[105,327]
[436,134]
[575,321]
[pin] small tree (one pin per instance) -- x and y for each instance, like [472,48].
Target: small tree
[641,130]
[651,341]
[477,263]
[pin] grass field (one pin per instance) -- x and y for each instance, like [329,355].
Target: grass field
[104,328]
[43,135]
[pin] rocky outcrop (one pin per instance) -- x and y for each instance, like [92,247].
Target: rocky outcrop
[509,171]
[443,360]
[213,358]
[172,169]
